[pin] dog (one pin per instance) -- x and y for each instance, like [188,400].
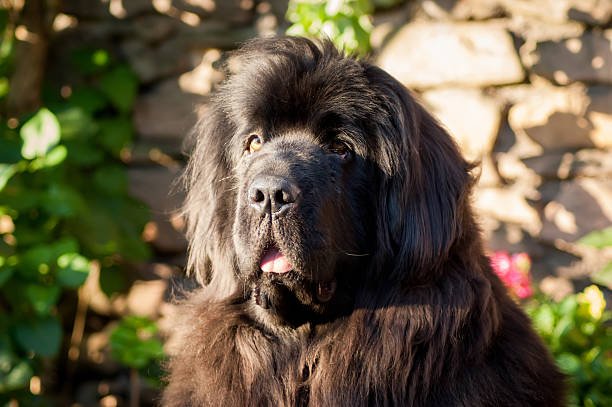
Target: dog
[330,225]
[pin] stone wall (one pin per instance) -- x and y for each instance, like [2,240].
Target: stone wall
[525,86]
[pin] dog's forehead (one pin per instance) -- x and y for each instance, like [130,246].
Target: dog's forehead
[278,91]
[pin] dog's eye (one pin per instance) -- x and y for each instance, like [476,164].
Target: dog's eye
[254,143]
[340,149]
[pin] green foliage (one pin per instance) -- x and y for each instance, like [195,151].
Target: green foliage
[600,239]
[578,332]
[63,207]
[345,22]
[135,343]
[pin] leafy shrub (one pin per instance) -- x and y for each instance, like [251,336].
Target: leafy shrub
[135,343]
[64,208]
[345,22]
[578,332]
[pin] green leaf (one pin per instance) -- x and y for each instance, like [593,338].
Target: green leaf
[6,172]
[42,298]
[89,99]
[73,270]
[42,336]
[544,319]
[4,87]
[62,200]
[10,147]
[16,377]
[38,259]
[76,123]
[39,134]
[90,61]
[84,154]
[602,277]
[35,261]
[599,239]
[6,272]
[120,86]
[134,342]
[568,362]
[55,157]
[115,134]
[111,179]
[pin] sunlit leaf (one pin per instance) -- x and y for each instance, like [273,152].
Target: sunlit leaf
[599,239]
[6,172]
[39,134]
[568,363]
[16,376]
[602,277]
[73,269]
[55,157]
[544,319]
[4,87]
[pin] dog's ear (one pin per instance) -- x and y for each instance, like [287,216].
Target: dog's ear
[424,186]
[209,205]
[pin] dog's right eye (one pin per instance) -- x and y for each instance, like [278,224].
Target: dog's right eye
[254,143]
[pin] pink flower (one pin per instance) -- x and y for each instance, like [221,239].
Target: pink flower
[514,271]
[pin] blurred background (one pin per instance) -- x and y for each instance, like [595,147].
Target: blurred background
[97,96]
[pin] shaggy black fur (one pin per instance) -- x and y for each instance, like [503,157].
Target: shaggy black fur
[391,300]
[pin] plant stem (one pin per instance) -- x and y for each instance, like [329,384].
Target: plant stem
[134,388]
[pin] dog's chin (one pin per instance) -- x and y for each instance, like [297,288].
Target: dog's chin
[286,295]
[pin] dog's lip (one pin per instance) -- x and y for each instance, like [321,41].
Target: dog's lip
[274,261]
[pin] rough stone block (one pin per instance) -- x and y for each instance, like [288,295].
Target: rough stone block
[564,118]
[154,186]
[472,118]
[580,206]
[587,58]
[166,112]
[424,55]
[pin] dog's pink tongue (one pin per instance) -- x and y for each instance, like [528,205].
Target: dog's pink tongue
[274,261]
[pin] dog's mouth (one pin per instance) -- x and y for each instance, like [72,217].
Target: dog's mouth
[274,261]
[283,278]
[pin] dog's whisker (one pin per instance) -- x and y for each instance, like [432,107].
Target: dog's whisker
[356,254]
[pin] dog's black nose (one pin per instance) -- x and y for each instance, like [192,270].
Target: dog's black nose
[274,194]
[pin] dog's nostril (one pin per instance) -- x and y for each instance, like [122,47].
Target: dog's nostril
[258,196]
[271,193]
[283,197]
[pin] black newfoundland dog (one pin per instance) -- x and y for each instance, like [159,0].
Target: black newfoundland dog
[330,224]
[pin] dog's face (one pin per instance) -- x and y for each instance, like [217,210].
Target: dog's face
[308,178]
[303,198]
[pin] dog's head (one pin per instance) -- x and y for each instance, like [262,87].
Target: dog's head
[314,175]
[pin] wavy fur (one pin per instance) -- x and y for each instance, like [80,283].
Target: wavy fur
[418,317]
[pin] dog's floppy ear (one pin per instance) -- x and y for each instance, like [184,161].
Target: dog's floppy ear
[424,184]
[209,205]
